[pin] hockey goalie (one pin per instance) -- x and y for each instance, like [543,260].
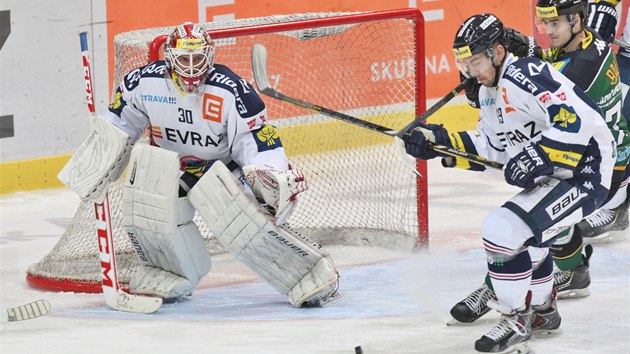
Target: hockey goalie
[211,151]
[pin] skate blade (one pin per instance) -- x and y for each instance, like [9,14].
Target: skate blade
[574,294]
[547,332]
[520,348]
[453,322]
[608,237]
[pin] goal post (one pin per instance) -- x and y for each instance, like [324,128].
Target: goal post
[365,64]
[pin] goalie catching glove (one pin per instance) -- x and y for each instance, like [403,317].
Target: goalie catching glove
[277,189]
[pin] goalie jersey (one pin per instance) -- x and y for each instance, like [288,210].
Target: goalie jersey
[224,121]
[534,103]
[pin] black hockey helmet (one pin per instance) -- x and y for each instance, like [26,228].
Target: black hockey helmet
[478,34]
[549,9]
[555,8]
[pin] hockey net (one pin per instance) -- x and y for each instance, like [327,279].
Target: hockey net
[369,65]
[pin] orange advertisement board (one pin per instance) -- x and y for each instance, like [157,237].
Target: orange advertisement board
[442,18]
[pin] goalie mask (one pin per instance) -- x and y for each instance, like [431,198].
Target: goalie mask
[189,54]
[474,45]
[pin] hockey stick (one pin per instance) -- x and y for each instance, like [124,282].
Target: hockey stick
[28,311]
[439,104]
[114,296]
[259,66]
[621,43]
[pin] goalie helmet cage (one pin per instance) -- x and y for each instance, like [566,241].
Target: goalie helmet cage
[369,65]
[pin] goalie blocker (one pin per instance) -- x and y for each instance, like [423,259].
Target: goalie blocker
[100,159]
[291,263]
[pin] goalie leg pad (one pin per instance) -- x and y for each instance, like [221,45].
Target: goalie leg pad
[99,160]
[292,264]
[171,264]
[159,225]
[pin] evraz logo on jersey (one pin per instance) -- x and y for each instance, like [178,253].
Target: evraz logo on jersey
[185,137]
[564,118]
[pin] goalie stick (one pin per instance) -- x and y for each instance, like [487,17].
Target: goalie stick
[28,311]
[259,66]
[114,296]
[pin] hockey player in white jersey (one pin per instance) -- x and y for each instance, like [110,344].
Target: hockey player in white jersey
[211,151]
[555,145]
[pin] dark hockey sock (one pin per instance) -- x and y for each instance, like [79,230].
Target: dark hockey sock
[489,282]
[567,253]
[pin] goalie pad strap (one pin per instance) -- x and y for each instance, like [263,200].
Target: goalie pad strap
[292,266]
[100,159]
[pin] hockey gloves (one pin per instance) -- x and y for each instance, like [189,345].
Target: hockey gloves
[418,136]
[526,166]
[277,189]
[471,87]
[523,46]
[603,19]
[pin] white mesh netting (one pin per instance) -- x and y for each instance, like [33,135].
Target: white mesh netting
[359,193]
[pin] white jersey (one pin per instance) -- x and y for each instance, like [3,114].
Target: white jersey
[534,103]
[224,121]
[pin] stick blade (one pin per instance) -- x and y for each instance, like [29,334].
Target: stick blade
[121,301]
[259,66]
[28,311]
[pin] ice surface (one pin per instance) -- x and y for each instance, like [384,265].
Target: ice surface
[392,302]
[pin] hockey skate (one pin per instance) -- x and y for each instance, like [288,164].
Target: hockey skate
[511,333]
[606,225]
[545,317]
[473,306]
[574,283]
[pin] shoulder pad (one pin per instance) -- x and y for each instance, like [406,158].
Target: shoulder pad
[248,103]
[531,75]
[153,69]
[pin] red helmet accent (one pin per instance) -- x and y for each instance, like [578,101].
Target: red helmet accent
[189,53]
